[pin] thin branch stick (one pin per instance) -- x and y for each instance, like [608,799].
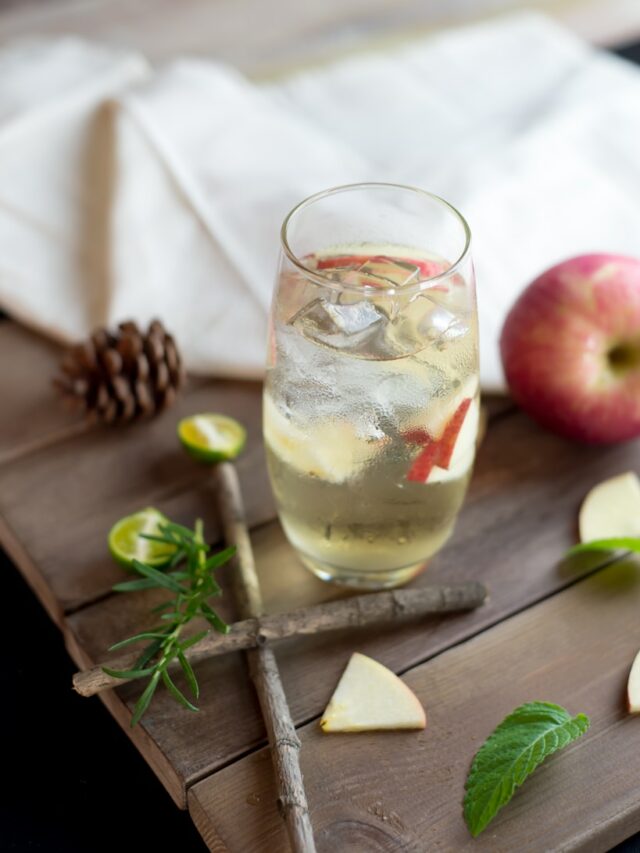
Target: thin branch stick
[356,612]
[263,668]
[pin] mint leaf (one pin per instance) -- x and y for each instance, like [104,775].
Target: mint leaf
[628,543]
[512,752]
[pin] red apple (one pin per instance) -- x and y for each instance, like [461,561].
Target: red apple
[570,348]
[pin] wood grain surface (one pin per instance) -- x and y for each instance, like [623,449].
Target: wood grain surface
[518,520]
[58,498]
[403,791]
[31,415]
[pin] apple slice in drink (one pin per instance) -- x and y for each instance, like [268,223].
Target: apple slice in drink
[370,697]
[331,450]
[611,509]
[381,271]
[449,437]
[381,265]
[451,453]
[423,463]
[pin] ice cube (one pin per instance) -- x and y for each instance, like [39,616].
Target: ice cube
[408,389]
[357,326]
[379,271]
[433,321]
[354,318]
[382,271]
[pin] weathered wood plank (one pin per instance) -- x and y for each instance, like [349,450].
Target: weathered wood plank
[518,520]
[58,502]
[31,412]
[403,791]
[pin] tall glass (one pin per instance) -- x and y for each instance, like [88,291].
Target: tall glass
[371,396]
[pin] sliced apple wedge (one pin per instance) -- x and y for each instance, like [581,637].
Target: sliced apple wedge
[611,509]
[370,697]
[449,437]
[633,686]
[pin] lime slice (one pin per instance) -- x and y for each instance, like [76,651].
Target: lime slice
[126,544]
[212,438]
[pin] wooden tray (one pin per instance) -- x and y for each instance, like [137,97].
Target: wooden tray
[561,633]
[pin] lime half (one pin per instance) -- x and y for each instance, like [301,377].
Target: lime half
[126,544]
[212,438]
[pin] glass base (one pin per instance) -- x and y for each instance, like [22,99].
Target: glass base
[362,580]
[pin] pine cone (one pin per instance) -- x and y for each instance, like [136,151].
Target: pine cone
[123,375]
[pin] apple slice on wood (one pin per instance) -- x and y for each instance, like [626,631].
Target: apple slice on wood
[633,686]
[370,697]
[611,509]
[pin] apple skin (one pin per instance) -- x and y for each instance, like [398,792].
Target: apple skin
[570,348]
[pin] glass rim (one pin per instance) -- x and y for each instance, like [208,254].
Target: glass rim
[325,281]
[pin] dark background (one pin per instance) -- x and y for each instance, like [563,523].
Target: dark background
[71,780]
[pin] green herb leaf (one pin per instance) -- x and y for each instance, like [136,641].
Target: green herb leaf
[219,559]
[180,576]
[214,588]
[193,640]
[145,635]
[512,752]
[127,673]
[132,586]
[160,607]
[179,529]
[177,558]
[212,617]
[152,537]
[177,694]
[160,578]
[151,650]
[143,702]
[191,586]
[189,674]
[627,543]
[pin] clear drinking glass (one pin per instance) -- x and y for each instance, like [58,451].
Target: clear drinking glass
[371,398]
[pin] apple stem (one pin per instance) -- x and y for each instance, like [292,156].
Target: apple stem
[624,357]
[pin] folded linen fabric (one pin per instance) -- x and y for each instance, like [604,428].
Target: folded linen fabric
[127,192]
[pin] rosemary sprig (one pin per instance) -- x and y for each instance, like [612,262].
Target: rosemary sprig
[190,578]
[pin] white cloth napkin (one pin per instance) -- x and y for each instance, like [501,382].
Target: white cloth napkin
[131,193]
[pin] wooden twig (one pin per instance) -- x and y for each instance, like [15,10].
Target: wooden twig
[356,612]
[263,668]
